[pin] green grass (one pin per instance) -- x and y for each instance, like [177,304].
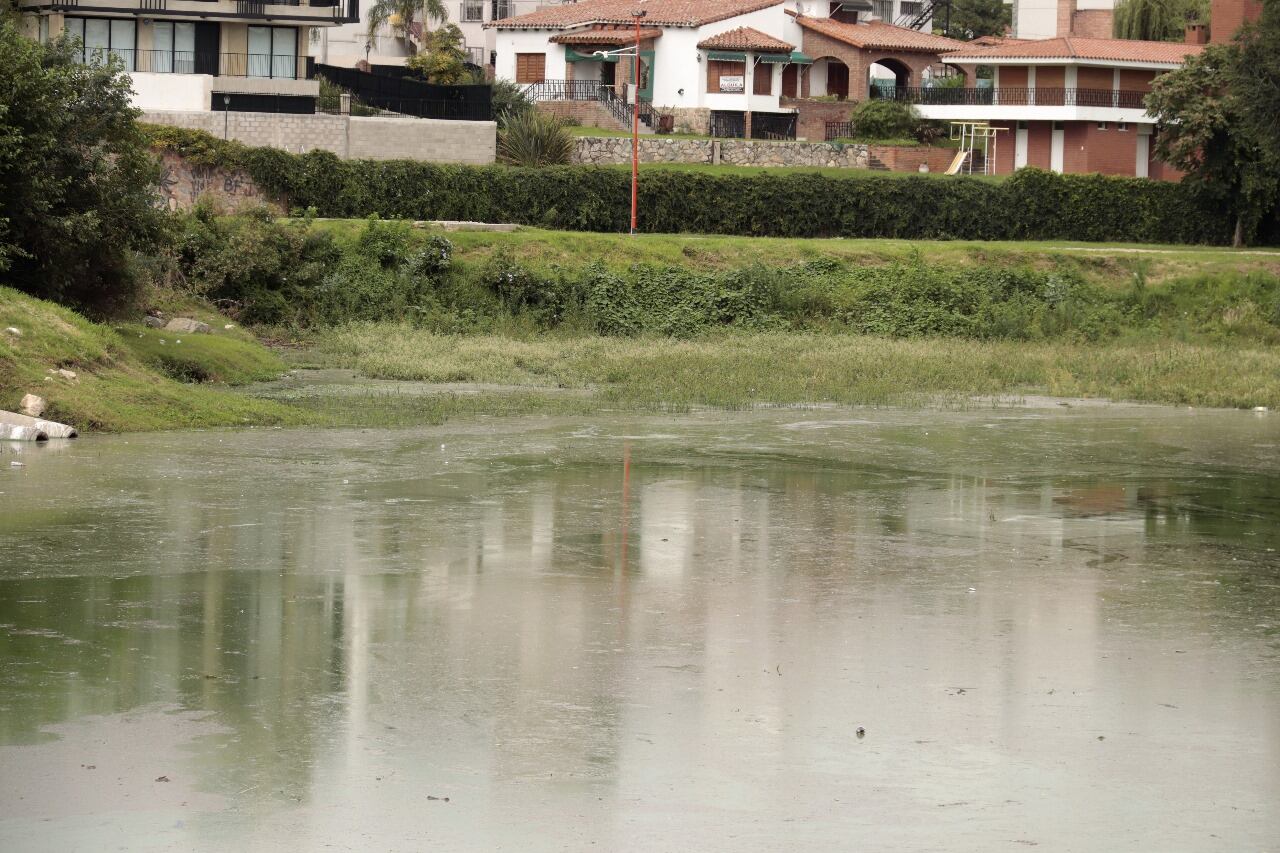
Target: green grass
[200,357]
[115,388]
[755,368]
[1104,263]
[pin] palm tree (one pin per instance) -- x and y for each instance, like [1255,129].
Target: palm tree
[400,14]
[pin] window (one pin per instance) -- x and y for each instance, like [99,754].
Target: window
[173,48]
[273,52]
[101,38]
[531,67]
[44,29]
[882,9]
[472,10]
[503,9]
[1102,125]
[725,76]
[762,80]
[1122,126]
[911,8]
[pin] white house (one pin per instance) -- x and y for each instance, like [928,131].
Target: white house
[725,65]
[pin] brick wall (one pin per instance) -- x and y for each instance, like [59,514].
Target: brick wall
[812,116]
[347,136]
[1227,16]
[902,159]
[1092,23]
[585,113]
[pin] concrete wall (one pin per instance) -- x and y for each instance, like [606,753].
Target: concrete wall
[432,140]
[182,184]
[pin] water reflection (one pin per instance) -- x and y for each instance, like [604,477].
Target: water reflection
[651,633]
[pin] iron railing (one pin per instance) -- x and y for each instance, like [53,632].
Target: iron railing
[564,90]
[838,130]
[217,64]
[1040,96]
[773,125]
[594,90]
[471,11]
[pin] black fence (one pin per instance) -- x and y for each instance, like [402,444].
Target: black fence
[838,130]
[773,125]
[727,124]
[392,92]
[565,90]
[238,102]
[1041,96]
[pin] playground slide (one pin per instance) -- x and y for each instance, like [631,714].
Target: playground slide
[954,168]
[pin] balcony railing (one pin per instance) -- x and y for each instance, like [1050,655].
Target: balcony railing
[565,90]
[219,64]
[1012,96]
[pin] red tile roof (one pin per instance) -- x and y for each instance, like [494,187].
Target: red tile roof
[605,35]
[1113,50]
[663,13]
[746,38]
[877,35]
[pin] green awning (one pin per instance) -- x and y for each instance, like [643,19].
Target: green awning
[726,56]
[571,55]
[785,58]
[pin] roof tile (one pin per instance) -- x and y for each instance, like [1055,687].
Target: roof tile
[665,13]
[746,38]
[878,35]
[1116,50]
[605,35]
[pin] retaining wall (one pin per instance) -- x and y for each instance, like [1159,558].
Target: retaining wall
[356,137]
[616,150]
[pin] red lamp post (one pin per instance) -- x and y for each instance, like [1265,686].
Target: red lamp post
[636,16]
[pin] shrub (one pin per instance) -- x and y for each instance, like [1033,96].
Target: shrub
[535,139]
[1031,205]
[508,100]
[77,182]
[883,119]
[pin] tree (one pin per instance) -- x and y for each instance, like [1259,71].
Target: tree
[1217,122]
[1157,20]
[973,18]
[77,178]
[441,58]
[400,14]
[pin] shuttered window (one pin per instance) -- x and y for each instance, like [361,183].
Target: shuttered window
[531,67]
[762,80]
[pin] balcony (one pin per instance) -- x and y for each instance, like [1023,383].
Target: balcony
[314,12]
[254,65]
[1012,97]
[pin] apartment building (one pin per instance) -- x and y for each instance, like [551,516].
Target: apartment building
[238,55]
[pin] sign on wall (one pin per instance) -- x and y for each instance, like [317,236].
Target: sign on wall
[734,83]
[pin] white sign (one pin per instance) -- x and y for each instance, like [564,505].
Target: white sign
[735,83]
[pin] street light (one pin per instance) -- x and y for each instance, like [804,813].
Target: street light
[637,15]
[226,114]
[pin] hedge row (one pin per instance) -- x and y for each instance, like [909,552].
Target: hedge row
[1031,205]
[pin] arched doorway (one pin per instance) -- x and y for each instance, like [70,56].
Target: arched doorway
[828,76]
[888,74]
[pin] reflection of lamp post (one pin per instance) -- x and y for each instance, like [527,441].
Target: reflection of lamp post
[368,46]
[226,115]
[635,124]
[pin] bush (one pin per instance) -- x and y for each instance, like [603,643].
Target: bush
[535,139]
[1031,205]
[882,119]
[508,100]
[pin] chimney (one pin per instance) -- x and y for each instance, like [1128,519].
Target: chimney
[1196,34]
[1227,16]
[1066,17]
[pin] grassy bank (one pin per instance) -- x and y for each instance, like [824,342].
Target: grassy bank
[743,369]
[124,376]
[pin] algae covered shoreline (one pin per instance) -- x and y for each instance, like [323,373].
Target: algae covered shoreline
[519,323]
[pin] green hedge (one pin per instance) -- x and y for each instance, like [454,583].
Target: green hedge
[1031,205]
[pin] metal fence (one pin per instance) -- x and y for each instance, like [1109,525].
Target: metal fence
[838,130]
[1041,96]
[565,90]
[389,92]
[773,125]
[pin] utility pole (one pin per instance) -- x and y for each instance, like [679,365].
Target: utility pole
[637,15]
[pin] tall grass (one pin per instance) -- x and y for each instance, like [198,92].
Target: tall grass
[741,369]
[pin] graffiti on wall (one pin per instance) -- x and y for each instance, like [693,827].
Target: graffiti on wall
[182,184]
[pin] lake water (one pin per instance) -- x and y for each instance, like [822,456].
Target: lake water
[1059,628]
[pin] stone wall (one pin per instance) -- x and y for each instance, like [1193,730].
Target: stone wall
[182,184]
[616,150]
[379,138]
